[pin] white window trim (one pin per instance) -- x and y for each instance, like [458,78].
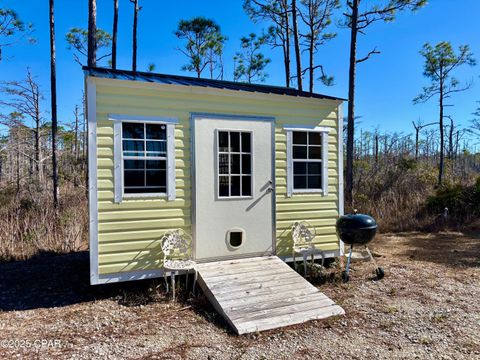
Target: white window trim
[324,133]
[117,119]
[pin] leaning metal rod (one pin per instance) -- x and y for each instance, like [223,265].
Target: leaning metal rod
[349,259]
[371,257]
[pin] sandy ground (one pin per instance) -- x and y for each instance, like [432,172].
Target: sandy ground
[426,307]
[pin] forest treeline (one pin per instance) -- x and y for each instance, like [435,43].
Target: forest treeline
[422,180]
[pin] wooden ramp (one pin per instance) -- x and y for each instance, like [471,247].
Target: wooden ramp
[262,293]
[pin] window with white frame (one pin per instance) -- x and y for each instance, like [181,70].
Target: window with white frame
[307,163]
[144,156]
[144,148]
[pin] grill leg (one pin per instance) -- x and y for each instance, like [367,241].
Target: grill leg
[371,257]
[345,275]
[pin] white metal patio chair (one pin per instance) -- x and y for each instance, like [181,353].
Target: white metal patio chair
[177,257]
[303,236]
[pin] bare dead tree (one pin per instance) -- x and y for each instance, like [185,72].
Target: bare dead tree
[418,127]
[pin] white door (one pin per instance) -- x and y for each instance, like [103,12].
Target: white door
[233,188]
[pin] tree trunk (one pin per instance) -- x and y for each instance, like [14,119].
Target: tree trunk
[311,62]
[287,44]
[442,151]
[135,23]
[417,135]
[92,33]
[114,34]
[53,86]
[297,45]
[450,140]
[38,157]
[76,135]
[351,106]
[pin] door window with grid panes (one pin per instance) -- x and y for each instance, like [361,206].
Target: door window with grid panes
[234,159]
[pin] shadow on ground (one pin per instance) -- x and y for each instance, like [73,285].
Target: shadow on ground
[450,249]
[51,280]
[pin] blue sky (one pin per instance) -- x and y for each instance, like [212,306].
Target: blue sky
[386,84]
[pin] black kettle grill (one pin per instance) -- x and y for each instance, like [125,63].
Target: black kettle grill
[358,229]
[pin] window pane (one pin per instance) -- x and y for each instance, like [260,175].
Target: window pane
[314,168]
[156,178]
[223,163]
[156,164]
[133,145]
[235,189]
[299,152]
[300,137]
[134,164]
[234,164]
[132,131]
[223,184]
[160,147]
[246,164]
[299,168]
[222,141]
[134,178]
[246,142]
[300,182]
[246,185]
[234,141]
[314,152]
[314,138]
[156,131]
[159,189]
[314,182]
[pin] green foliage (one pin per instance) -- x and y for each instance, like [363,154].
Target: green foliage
[77,40]
[250,64]
[151,67]
[440,61]
[204,43]
[382,10]
[406,164]
[12,28]
[462,202]
[317,16]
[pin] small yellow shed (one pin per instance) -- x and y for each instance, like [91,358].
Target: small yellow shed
[232,164]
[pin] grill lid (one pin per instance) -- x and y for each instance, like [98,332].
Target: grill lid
[356,221]
[358,229]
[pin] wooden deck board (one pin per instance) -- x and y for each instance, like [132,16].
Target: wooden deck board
[262,293]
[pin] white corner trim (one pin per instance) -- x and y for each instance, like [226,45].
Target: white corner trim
[92,178]
[289,165]
[340,170]
[171,161]
[143,119]
[117,161]
[298,127]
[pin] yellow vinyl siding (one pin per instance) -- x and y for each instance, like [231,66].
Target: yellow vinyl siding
[129,233]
